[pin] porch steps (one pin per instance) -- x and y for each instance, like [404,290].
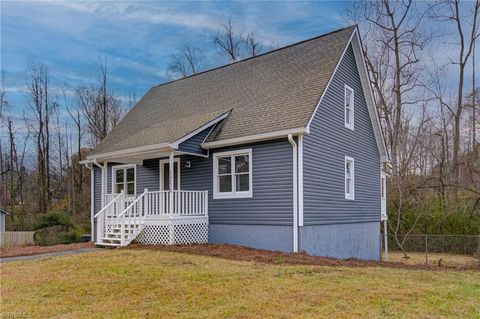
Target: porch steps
[113,237]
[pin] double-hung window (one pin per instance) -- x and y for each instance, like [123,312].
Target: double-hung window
[232,174]
[124,179]
[349,178]
[349,107]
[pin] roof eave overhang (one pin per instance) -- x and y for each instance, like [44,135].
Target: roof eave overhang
[253,138]
[137,152]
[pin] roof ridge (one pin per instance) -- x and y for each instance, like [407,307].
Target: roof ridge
[256,56]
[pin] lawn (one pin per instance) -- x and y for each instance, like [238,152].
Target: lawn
[160,284]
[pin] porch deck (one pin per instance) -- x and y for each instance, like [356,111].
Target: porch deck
[153,217]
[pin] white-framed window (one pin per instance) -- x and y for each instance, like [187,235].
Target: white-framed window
[232,174]
[124,179]
[349,178]
[349,107]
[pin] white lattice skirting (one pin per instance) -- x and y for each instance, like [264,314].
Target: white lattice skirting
[187,230]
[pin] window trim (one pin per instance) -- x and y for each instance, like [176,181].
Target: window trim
[233,193]
[350,196]
[124,167]
[351,123]
[166,161]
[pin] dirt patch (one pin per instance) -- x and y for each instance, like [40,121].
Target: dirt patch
[242,253]
[34,250]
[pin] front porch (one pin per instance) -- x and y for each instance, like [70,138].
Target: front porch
[153,217]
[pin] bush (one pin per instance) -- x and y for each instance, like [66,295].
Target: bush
[54,218]
[56,227]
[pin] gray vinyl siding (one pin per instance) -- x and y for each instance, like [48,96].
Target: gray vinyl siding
[192,145]
[97,189]
[324,154]
[272,201]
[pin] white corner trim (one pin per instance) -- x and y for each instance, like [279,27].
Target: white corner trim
[198,130]
[330,81]
[253,138]
[233,193]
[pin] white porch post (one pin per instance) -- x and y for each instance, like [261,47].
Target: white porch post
[170,195]
[385,225]
[104,183]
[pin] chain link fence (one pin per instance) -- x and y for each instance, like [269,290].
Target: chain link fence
[461,251]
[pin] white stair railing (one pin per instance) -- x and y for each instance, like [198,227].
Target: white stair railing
[106,214]
[131,220]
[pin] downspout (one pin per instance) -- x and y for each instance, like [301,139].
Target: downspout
[300,181]
[295,193]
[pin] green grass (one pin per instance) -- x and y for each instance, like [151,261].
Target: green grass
[157,284]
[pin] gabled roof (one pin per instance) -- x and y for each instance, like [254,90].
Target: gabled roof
[272,92]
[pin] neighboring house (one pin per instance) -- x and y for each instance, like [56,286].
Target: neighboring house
[3,216]
[281,151]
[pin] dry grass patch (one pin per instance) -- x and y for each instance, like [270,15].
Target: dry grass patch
[436,259]
[159,284]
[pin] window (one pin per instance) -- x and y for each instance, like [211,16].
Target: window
[349,178]
[124,179]
[232,174]
[349,107]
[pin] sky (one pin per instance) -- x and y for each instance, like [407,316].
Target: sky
[137,39]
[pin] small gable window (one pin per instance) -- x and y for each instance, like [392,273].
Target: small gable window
[232,174]
[349,107]
[349,178]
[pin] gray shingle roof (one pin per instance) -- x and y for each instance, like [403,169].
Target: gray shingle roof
[271,92]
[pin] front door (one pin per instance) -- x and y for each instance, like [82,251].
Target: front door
[164,174]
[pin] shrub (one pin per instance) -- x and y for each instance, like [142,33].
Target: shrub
[54,218]
[56,227]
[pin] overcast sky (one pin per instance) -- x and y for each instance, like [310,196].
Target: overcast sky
[137,38]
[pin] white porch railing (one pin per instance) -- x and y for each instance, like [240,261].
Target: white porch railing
[124,216]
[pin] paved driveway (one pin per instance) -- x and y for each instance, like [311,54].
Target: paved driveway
[52,254]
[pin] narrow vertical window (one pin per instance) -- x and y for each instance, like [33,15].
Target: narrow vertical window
[349,178]
[349,107]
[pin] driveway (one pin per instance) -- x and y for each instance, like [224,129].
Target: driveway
[52,254]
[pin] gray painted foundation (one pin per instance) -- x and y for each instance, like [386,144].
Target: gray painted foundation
[257,236]
[359,240]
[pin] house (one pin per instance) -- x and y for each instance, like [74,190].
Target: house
[3,216]
[281,151]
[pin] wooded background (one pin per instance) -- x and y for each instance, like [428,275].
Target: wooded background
[421,60]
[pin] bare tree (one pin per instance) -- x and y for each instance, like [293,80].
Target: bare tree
[228,41]
[3,171]
[76,116]
[100,106]
[42,107]
[252,45]
[186,61]
[451,11]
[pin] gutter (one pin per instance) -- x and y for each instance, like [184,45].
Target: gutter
[295,192]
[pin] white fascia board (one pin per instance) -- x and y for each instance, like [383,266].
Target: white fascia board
[137,151]
[330,81]
[253,138]
[203,127]
[369,97]
[367,89]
